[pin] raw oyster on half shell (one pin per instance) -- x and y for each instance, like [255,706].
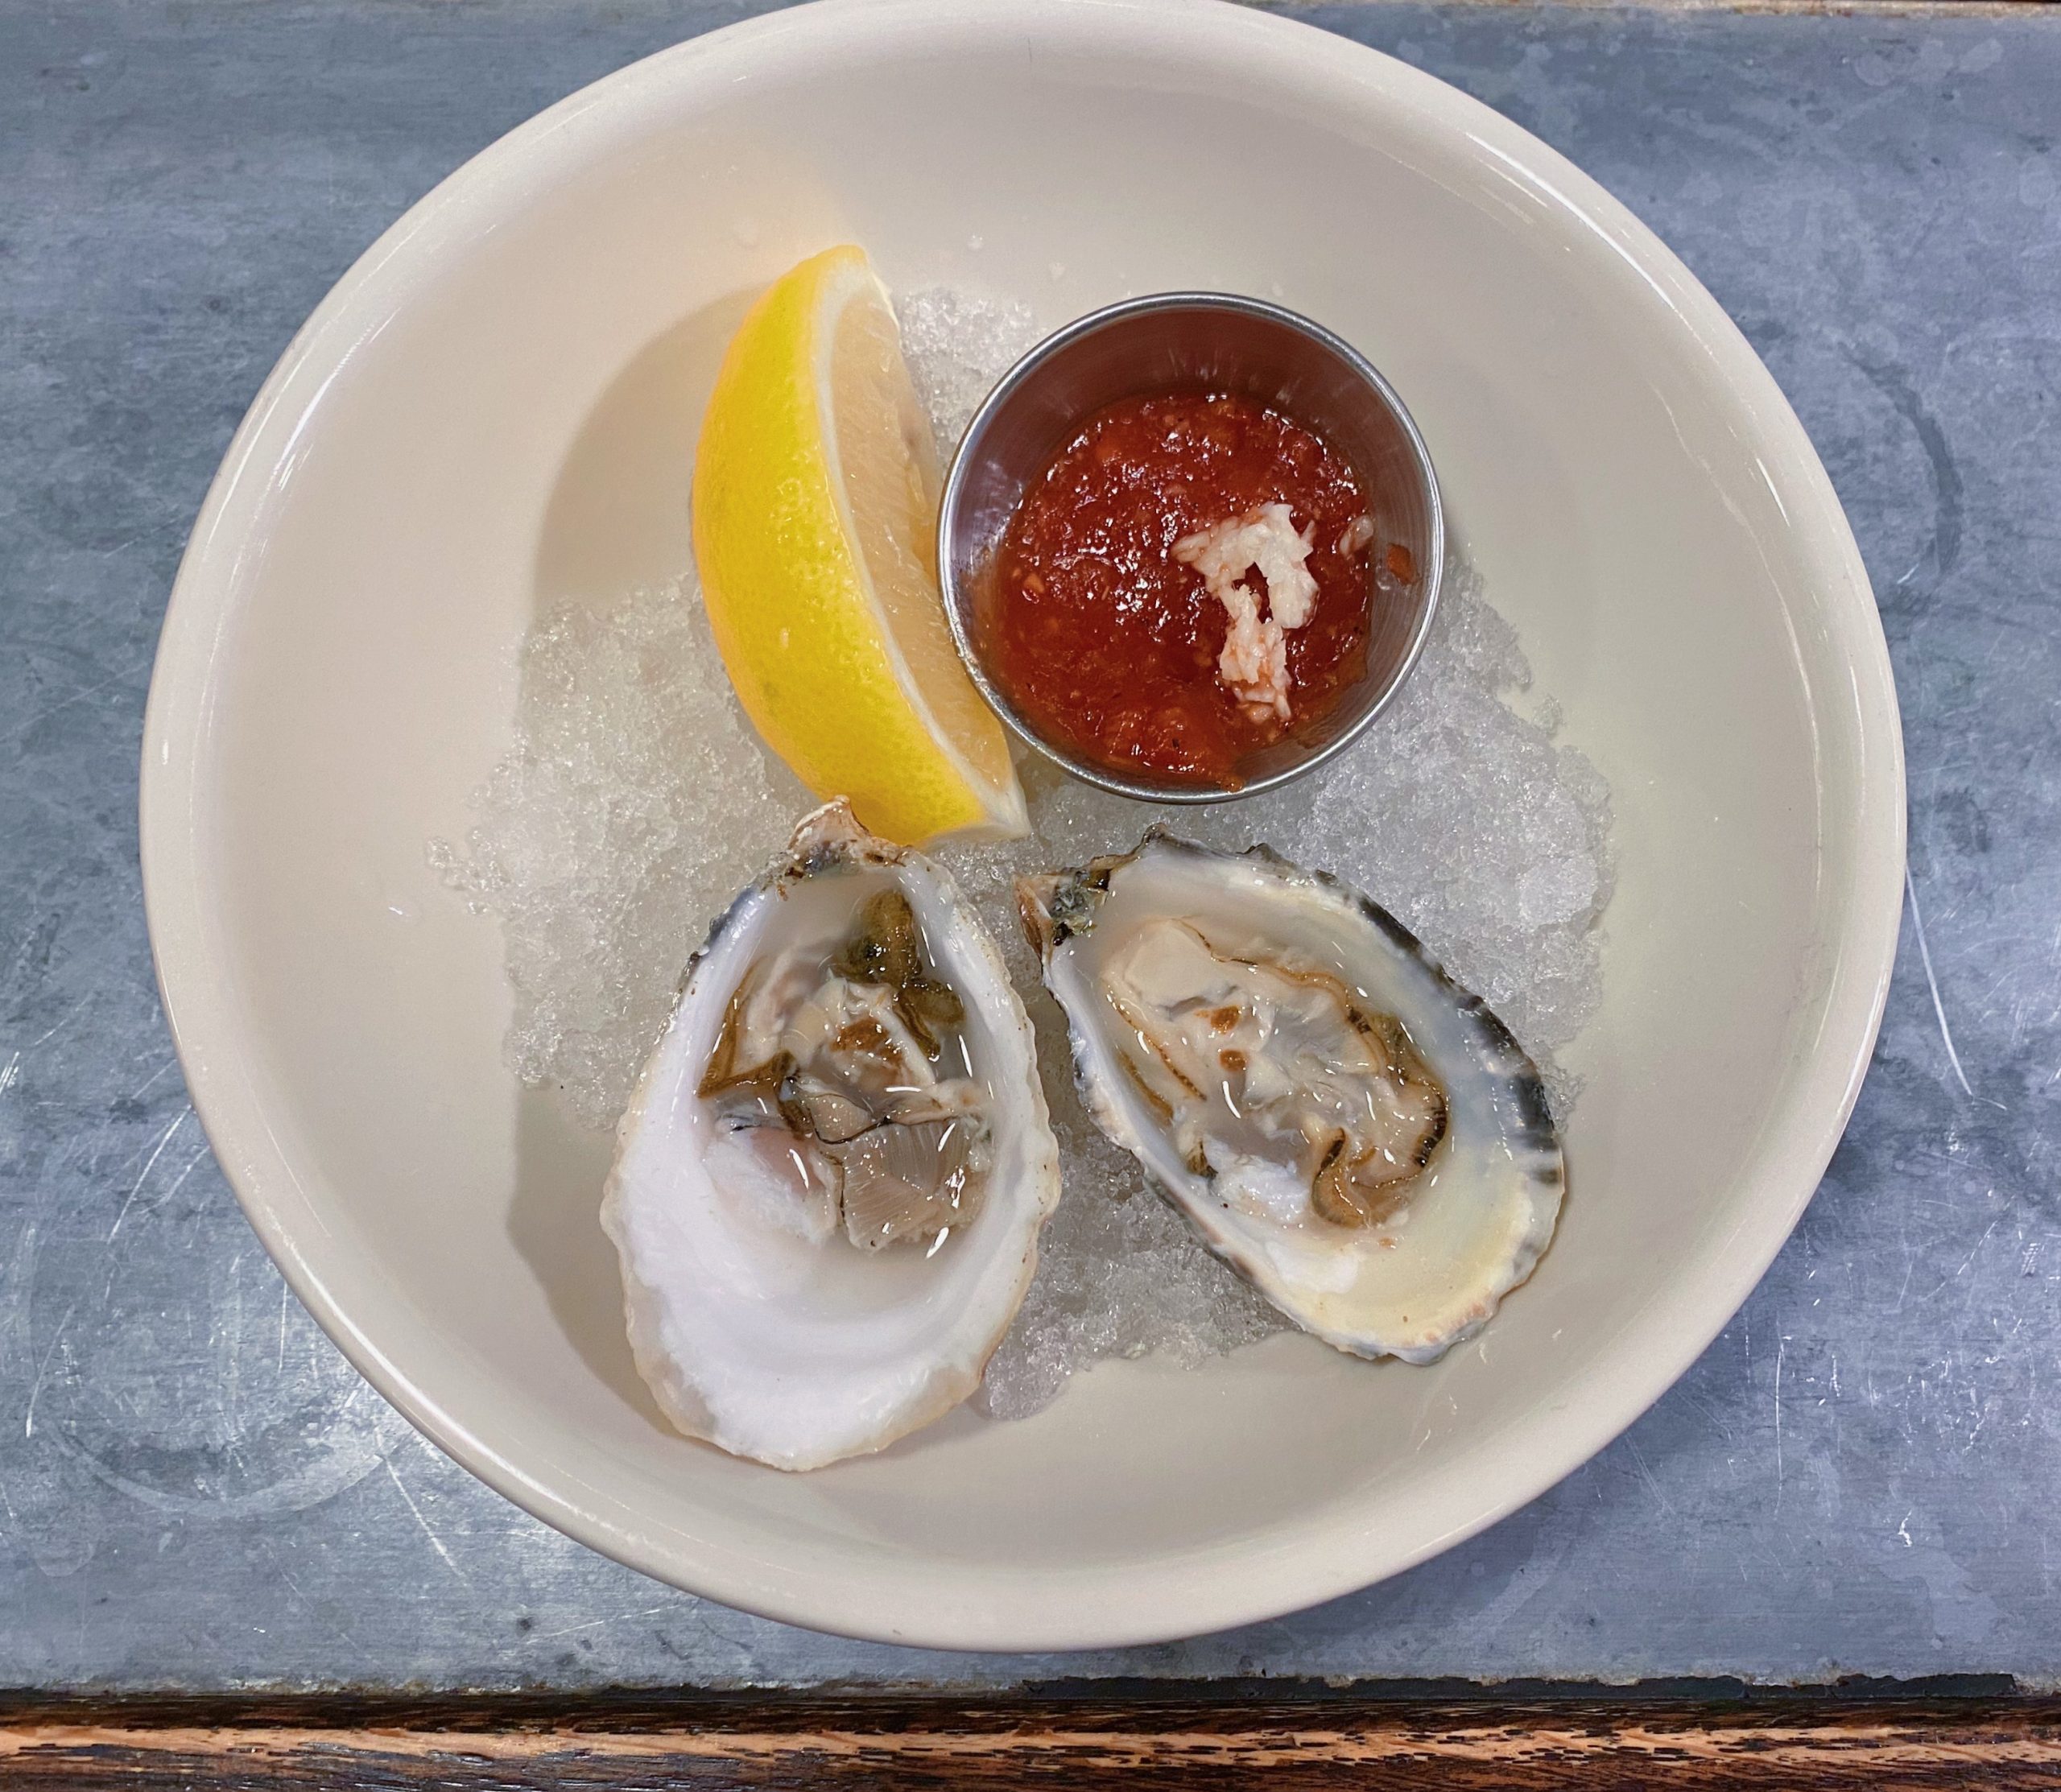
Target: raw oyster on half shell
[1342,1123]
[829,1184]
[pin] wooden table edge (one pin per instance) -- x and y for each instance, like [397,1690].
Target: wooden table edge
[1819,1739]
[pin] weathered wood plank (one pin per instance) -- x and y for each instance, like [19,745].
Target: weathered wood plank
[1813,1745]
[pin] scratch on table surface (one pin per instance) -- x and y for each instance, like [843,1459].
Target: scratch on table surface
[127,676]
[1980,1408]
[12,1074]
[428,1529]
[596,1624]
[1947,1280]
[59,1024]
[154,1079]
[1932,983]
[1781,1350]
[15,1288]
[226,1338]
[149,1165]
[1653,1486]
[42,1371]
[192,1164]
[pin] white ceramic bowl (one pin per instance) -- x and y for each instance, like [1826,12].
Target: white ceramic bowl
[497,406]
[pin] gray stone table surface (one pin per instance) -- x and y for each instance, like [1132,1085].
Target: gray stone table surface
[1861,1475]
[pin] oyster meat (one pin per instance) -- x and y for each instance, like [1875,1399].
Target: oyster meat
[1342,1123]
[829,1187]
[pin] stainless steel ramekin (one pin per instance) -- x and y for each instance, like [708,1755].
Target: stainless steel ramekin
[1206,341]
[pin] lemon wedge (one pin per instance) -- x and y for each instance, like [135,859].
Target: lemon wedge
[815,489]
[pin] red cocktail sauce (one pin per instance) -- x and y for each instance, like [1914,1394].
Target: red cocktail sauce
[1109,644]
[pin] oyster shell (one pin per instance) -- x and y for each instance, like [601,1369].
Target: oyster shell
[829,1184]
[1343,1124]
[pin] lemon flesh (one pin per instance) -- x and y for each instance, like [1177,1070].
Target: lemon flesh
[816,489]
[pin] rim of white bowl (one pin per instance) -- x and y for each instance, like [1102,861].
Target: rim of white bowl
[1100,1607]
